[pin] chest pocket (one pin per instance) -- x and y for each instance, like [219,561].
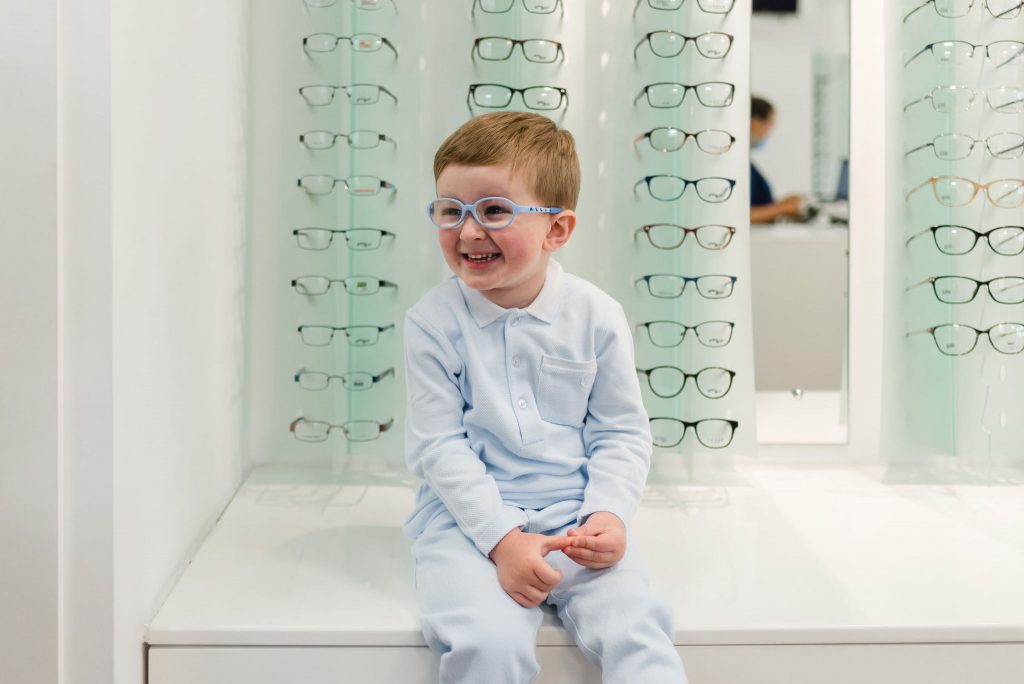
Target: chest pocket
[563,390]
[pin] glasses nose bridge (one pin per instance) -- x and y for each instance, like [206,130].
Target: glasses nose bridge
[471,220]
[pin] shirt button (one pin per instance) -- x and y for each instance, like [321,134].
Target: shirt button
[522,403]
[515,362]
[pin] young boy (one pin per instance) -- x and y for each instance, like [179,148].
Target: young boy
[526,424]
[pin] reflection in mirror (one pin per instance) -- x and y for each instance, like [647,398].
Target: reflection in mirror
[799,135]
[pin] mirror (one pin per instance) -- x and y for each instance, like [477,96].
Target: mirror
[799,217]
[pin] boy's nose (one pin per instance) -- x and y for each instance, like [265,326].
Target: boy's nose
[471,230]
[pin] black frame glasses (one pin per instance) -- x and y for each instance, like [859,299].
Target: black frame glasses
[360,94]
[952,239]
[357,239]
[959,51]
[706,6]
[667,43]
[306,430]
[702,428]
[668,188]
[357,140]
[533,96]
[957,146]
[357,335]
[357,285]
[669,94]
[320,43]
[713,382]
[353,381]
[954,339]
[503,6]
[954,9]
[670,139]
[670,235]
[541,50]
[357,186]
[667,334]
[671,286]
[954,289]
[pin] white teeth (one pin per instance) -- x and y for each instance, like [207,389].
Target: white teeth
[480,258]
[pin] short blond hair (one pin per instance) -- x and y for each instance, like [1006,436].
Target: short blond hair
[533,145]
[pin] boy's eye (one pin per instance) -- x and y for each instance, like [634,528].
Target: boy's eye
[450,211]
[496,210]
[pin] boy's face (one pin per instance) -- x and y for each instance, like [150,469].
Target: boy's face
[515,258]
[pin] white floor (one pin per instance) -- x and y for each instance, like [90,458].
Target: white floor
[785,555]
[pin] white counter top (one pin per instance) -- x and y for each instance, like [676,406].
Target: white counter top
[784,555]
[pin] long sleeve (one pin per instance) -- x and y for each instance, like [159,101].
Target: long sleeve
[437,447]
[617,431]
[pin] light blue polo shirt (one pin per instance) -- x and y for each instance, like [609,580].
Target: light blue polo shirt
[526,418]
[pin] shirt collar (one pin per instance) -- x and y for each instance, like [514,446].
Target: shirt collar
[543,307]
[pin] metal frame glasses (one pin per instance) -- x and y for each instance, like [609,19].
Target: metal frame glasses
[357,239]
[954,9]
[712,433]
[957,146]
[321,95]
[666,382]
[955,191]
[357,335]
[667,43]
[670,235]
[357,140]
[671,333]
[497,212]
[369,5]
[956,240]
[306,430]
[353,381]
[962,290]
[706,6]
[498,96]
[960,51]
[314,285]
[357,186]
[950,99]
[668,94]
[671,286]
[954,339]
[502,6]
[359,42]
[500,49]
[670,139]
[668,188]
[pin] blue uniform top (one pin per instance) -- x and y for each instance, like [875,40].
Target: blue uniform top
[760,191]
[522,417]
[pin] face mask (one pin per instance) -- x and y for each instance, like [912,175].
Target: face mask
[759,144]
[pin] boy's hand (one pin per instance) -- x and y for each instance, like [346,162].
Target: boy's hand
[522,570]
[599,543]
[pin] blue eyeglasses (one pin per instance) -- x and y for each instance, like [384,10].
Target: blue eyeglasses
[492,213]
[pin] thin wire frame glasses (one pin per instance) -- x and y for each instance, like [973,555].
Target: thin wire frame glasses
[357,335]
[951,99]
[357,140]
[353,381]
[322,95]
[957,146]
[956,191]
[359,42]
[962,290]
[1004,52]
[671,236]
[671,334]
[954,339]
[500,49]
[354,430]
[954,9]
[357,186]
[357,239]
[314,285]
[671,286]
[713,433]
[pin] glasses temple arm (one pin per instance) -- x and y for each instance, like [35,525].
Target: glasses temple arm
[918,148]
[917,101]
[927,182]
[917,235]
[917,54]
[923,4]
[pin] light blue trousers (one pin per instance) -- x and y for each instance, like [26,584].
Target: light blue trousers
[484,635]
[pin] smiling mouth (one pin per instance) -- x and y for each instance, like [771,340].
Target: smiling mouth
[481,258]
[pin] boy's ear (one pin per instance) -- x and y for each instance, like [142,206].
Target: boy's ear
[560,231]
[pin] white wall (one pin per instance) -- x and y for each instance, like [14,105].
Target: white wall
[178,174]
[29,402]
